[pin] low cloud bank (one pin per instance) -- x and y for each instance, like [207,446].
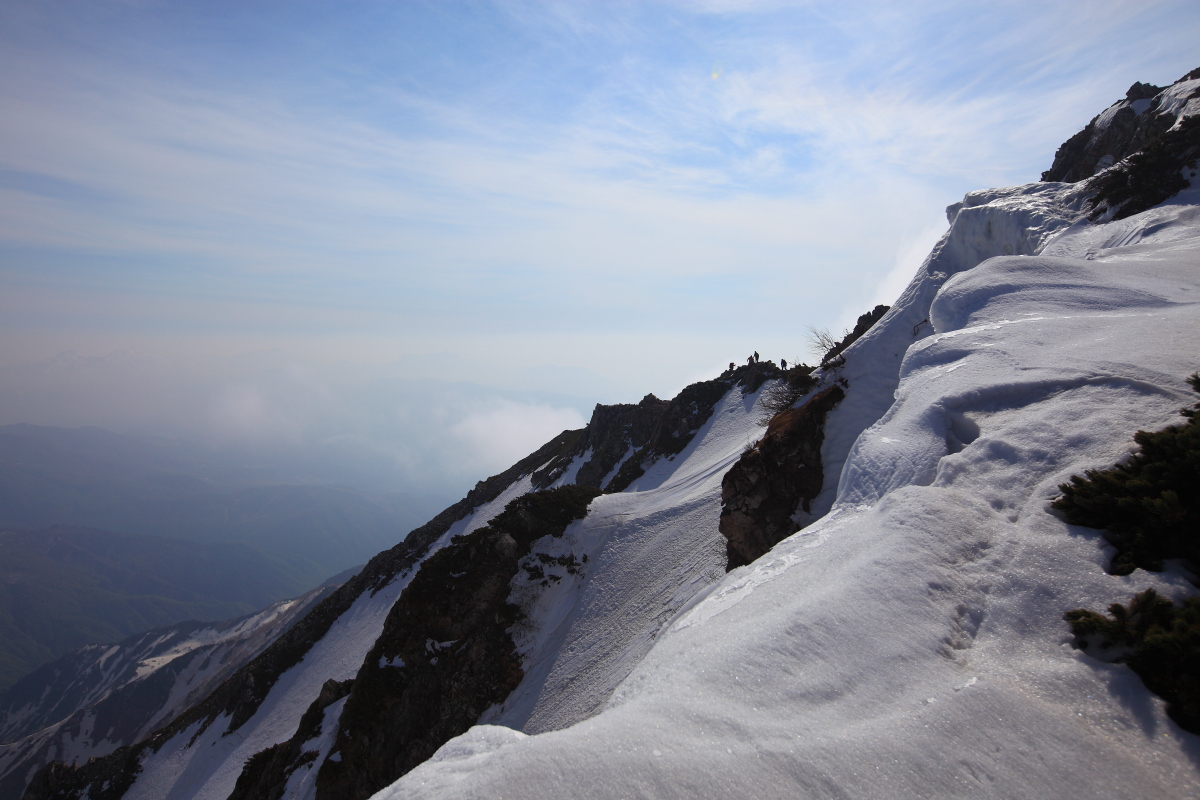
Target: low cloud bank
[366,427]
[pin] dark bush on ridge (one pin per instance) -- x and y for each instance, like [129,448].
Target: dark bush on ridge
[1149,509]
[1159,640]
[1149,506]
[783,394]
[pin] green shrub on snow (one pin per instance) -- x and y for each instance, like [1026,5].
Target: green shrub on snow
[1148,506]
[1159,640]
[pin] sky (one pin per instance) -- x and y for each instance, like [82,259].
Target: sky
[214,213]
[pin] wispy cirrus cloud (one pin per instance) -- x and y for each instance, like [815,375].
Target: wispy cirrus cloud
[675,172]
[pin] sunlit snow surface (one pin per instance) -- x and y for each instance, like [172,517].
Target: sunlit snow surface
[911,643]
[649,551]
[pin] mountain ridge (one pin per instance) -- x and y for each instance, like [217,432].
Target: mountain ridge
[906,610]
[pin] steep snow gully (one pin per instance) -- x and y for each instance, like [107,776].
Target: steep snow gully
[906,642]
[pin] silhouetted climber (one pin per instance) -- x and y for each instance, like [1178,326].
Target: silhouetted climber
[731,365]
[783,363]
[750,361]
[756,355]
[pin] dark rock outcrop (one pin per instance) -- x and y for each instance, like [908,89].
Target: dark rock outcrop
[1109,137]
[1161,170]
[609,434]
[266,773]
[685,415]
[1123,129]
[445,654]
[861,326]
[782,473]
[105,778]
[644,432]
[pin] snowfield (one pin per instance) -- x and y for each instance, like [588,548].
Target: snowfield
[100,698]
[909,643]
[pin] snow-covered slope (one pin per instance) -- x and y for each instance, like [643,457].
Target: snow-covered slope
[649,550]
[995,222]
[910,643]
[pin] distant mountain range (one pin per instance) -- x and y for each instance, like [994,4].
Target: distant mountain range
[102,696]
[64,587]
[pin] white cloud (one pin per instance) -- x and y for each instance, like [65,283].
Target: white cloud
[911,253]
[500,436]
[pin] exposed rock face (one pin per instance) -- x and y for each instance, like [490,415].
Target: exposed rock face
[1159,171]
[445,654]
[864,323]
[609,435]
[685,414]
[628,438]
[267,773]
[105,778]
[751,376]
[761,493]
[1124,128]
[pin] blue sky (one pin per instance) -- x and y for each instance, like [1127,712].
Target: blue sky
[622,197]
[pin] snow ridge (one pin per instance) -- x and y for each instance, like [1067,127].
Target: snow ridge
[916,629]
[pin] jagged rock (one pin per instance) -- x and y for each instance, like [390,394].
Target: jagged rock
[861,326]
[105,778]
[645,432]
[1161,170]
[754,375]
[1142,91]
[450,632]
[609,434]
[1123,129]
[782,473]
[266,773]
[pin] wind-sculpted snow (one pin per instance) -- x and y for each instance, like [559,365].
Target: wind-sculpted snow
[995,222]
[911,643]
[648,552]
